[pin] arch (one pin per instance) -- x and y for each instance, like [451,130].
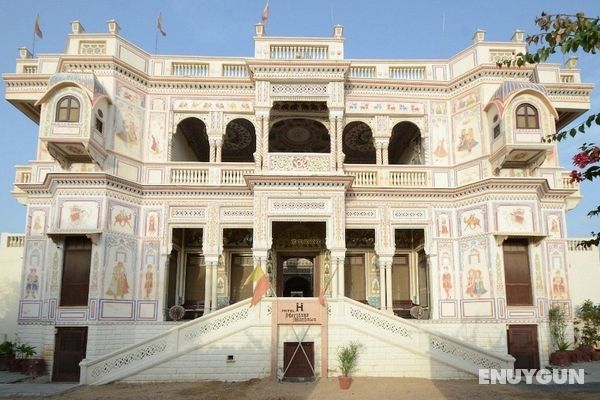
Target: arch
[190,141]
[68,109]
[527,117]
[406,145]
[299,135]
[239,142]
[358,144]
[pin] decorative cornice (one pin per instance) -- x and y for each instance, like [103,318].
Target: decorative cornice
[295,181]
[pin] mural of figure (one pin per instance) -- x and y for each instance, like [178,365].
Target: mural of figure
[444,231]
[554,229]
[31,283]
[37,224]
[118,283]
[470,291]
[475,285]
[558,285]
[148,281]
[152,224]
[440,149]
[447,282]
[479,286]
[466,140]
[129,132]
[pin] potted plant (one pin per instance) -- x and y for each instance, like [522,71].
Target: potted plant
[588,335]
[347,358]
[558,325]
[7,354]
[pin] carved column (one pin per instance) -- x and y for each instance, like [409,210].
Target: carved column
[340,142]
[258,154]
[219,146]
[333,143]
[385,277]
[210,283]
[378,153]
[384,152]
[213,150]
[337,260]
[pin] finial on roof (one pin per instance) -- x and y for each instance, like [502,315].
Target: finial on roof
[338,31]
[479,36]
[518,36]
[24,53]
[76,27]
[113,26]
[259,29]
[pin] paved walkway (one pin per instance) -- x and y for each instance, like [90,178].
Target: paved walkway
[14,384]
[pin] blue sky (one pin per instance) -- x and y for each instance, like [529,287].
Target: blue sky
[373,29]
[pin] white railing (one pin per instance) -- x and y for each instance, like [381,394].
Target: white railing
[189,69]
[567,182]
[407,73]
[234,176]
[408,178]
[299,52]
[499,56]
[30,69]
[22,174]
[177,341]
[189,176]
[235,71]
[363,178]
[574,245]
[416,338]
[567,78]
[362,72]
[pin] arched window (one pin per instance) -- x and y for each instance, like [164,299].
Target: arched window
[527,117]
[67,110]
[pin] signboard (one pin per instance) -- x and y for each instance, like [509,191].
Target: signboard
[299,311]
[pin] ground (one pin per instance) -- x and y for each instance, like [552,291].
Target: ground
[326,389]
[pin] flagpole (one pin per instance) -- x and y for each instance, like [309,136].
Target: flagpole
[156,42]
[33,45]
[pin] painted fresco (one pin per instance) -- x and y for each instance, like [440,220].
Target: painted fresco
[152,226]
[122,219]
[34,262]
[38,223]
[475,273]
[156,137]
[149,272]
[514,219]
[553,224]
[439,140]
[467,135]
[446,267]
[119,264]
[79,215]
[444,229]
[557,272]
[473,221]
[129,122]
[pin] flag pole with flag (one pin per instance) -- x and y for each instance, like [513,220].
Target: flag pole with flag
[265,14]
[261,284]
[37,32]
[159,29]
[322,299]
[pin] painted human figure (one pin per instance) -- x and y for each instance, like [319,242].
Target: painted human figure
[447,282]
[466,140]
[31,283]
[478,284]
[148,281]
[443,227]
[558,285]
[118,283]
[470,283]
[440,149]
[152,224]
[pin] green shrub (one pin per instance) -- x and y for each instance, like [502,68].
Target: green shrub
[558,327]
[348,356]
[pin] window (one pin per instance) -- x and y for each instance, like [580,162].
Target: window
[75,284]
[517,273]
[67,110]
[99,121]
[527,117]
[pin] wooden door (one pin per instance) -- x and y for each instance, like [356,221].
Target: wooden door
[401,277]
[354,277]
[241,268]
[523,346]
[517,273]
[69,349]
[299,364]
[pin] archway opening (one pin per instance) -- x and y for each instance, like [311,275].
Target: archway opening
[358,144]
[190,141]
[406,146]
[239,142]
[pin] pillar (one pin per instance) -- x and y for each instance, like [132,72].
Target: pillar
[333,143]
[337,260]
[213,150]
[340,142]
[219,146]
[210,289]
[378,160]
[258,154]
[384,152]
[385,274]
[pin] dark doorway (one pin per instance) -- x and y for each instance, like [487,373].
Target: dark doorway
[69,350]
[523,346]
[297,275]
[298,364]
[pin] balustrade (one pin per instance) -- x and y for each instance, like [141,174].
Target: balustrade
[189,69]
[299,52]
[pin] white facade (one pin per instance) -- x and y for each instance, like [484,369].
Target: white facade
[404,184]
[11,262]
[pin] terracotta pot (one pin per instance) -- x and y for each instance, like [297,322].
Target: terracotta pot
[15,365]
[344,382]
[596,356]
[575,355]
[586,353]
[5,362]
[561,358]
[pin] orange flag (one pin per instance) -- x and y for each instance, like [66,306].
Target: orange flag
[265,14]
[262,284]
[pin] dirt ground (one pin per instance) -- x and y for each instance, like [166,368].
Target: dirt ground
[326,389]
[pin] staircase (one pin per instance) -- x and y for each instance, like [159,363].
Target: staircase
[381,329]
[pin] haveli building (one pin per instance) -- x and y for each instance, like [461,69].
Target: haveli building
[417,194]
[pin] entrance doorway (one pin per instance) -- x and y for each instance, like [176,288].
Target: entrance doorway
[523,346]
[299,360]
[69,349]
[297,275]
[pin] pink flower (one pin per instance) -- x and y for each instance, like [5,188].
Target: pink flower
[576,176]
[581,159]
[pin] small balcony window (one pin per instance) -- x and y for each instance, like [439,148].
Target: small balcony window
[527,117]
[68,110]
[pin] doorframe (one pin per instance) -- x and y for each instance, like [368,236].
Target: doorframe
[299,253]
[55,352]
[537,341]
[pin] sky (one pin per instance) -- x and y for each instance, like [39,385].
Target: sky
[382,29]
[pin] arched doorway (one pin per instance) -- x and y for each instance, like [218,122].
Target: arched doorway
[190,141]
[406,145]
[239,142]
[358,145]
[299,135]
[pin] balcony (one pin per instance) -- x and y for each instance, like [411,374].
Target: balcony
[405,176]
[204,174]
[22,175]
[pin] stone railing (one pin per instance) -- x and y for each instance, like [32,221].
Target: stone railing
[362,72]
[567,78]
[410,73]
[388,175]
[573,244]
[235,71]
[299,162]
[23,174]
[15,241]
[189,69]
[177,341]
[299,52]
[208,173]
[415,338]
